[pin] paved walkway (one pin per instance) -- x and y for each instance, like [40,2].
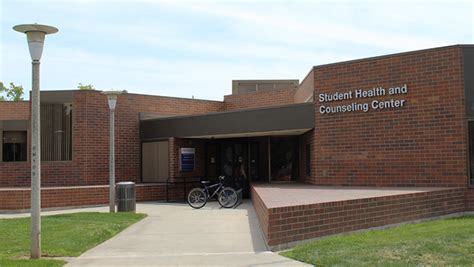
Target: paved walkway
[177,235]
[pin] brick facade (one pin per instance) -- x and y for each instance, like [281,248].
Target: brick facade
[259,99]
[422,144]
[175,145]
[89,165]
[469,200]
[14,110]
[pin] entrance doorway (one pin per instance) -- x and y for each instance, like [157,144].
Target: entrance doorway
[255,159]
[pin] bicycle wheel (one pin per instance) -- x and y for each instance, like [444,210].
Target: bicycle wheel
[197,198]
[227,198]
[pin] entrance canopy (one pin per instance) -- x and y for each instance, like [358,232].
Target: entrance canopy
[282,120]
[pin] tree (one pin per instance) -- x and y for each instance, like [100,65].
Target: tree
[12,93]
[81,86]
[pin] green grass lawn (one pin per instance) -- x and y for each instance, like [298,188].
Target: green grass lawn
[62,236]
[445,242]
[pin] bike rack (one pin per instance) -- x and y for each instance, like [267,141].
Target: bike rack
[175,184]
[240,198]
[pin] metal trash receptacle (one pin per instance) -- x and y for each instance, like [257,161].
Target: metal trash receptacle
[126,196]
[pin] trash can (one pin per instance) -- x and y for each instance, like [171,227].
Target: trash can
[126,196]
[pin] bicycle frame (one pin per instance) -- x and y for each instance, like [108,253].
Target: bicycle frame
[220,185]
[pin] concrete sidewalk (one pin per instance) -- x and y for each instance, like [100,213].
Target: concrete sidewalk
[177,235]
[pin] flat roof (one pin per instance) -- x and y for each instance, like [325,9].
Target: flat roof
[288,119]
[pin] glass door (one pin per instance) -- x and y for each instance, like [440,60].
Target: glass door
[253,162]
[284,152]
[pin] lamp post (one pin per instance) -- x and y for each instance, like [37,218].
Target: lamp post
[35,34]
[112,99]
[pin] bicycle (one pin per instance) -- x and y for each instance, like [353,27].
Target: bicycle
[226,196]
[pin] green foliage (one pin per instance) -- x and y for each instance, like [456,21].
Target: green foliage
[62,235]
[446,242]
[81,86]
[12,93]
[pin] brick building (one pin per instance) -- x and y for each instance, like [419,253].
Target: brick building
[402,120]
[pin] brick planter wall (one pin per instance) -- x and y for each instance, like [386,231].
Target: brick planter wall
[285,226]
[261,210]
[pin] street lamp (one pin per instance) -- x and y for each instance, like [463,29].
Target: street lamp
[35,34]
[112,98]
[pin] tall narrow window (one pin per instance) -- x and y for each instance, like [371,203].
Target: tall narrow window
[56,132]
[471,153]
[307,150]
[14,146]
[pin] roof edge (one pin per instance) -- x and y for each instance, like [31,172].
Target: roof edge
[128,93]
[232,111]
[391,55]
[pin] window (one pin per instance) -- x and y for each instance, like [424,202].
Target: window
[308,159]
[471,153]
[14,146]
[56,132]
[284,158]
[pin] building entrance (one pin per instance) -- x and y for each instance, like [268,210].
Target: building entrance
[256,159]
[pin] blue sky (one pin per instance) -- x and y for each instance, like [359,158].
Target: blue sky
[195,48]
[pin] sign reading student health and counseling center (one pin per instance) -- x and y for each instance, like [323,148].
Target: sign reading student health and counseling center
[380,103]
[187,155]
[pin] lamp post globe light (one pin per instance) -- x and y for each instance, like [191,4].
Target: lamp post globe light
[112,99]
[35,34]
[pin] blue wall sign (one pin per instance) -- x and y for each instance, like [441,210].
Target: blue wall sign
[187,159]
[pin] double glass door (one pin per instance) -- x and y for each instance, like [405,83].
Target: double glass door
[248,159]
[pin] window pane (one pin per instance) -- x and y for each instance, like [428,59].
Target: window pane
[14,146]
[56,132]
[471,152]
[308,159]
[283,158]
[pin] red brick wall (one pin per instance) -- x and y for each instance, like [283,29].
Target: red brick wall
[421,144]
[54,197]
[296,223]
[470,199]
[261,211]
[260,99]
[175,145]
[14,110]
[91,140]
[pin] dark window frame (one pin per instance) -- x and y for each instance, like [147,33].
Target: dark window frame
[50,153]
[23,146]
[470,152]
[307,150]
